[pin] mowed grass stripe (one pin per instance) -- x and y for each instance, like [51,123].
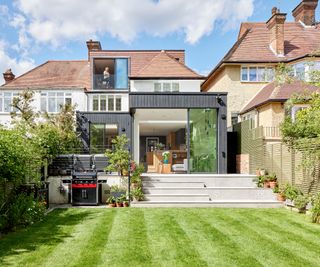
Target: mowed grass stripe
[269,247]
[127,244]
[31,246]
[69,251]
[214,246]
[169,243]
[91,251]
[304,249]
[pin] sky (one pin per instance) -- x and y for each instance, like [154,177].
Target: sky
[34,31]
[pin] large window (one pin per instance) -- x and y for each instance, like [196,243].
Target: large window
[103,102]
[53,101]
[6,101]
[257,74]
[203,140]
[101,136]
[305,70]
[166,87]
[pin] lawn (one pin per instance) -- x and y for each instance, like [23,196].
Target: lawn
[165,237]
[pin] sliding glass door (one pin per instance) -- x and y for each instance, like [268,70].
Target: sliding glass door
[203,140]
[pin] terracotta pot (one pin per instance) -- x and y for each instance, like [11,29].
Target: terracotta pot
[266,184]
[119,204]
[281,198]
[258,172]
[125,204]
[272,184]
[112,205]
[262,172]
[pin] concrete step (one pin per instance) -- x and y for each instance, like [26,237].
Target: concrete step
[176,197]
[209,180]
[226,193]
[208,204]
[172,184]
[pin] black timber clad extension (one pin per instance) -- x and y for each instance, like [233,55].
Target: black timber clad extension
[189,100]
[175,100]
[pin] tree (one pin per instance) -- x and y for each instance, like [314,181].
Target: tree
[119,157]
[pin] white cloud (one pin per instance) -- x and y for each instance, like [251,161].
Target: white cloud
[18,66]
[58,21]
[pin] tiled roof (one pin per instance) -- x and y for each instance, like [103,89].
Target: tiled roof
[55,74]
[138,58]
[254,40]
[277,93]
[164,65]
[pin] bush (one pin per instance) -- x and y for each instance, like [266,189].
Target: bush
[315,210]
[301,202]
[291,192]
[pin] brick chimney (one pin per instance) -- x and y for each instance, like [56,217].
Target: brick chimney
[305,12]
[275,26]
[8,76]
[93,46]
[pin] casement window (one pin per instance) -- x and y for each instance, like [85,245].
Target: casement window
[53,101]
[103,102]
[166,87]
[6,101]
[257,74]
[305,70]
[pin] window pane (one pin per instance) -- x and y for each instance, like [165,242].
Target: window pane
[95,103]
[52,104]
[244,74]
[59,103]
[118,103]
[43,104]
[166,87]
[110,103]
[157,87]
[175,87]
[96,138]
[7,102]
[68,101]
[60,94]
[253,74]
[269,74]
[261,74]
[300,71]
[103,103]
[121,73]
[111,131]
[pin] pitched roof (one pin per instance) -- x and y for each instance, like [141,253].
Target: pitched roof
[164,65]
[138,58]
[55,74]
[277,93]
[254,45]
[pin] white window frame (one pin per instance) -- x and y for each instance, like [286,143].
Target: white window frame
[173,87]
[57,96]
[106,97]
[257,68]
[3,96]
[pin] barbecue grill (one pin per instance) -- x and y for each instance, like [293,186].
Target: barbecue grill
[84,188]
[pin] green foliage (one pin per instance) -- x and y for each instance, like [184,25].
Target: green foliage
[284,74]
[136,171]
[111,200]
[137,194]
[291,192]
[259,180]
[315,210]
[117,189]
[118,158]
[301,201]
[272,177]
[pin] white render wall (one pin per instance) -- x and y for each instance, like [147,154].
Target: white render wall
[148,85]
[79,98]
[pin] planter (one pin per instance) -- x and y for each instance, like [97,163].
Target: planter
[126,204]
[262,172]
[119,204]
[272,184]
[266,184]
[281,198]
[112,205]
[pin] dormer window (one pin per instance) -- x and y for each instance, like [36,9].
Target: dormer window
[110,73]
[257,74]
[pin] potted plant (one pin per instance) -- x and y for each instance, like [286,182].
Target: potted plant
[300,202]
[111,201]
[259,180]
[280,193]
[266,182]
[117,191]
[290,193]
[165,157]
[272,180]
[118,202]
[136,171]
[137,194]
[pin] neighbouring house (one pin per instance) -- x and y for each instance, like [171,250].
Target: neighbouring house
[250,64]
[151,96]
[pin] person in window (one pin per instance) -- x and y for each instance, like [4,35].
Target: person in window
[106,77]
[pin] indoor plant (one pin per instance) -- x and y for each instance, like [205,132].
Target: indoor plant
[165,157]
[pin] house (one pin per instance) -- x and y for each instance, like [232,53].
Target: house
[250,64]
[151,96]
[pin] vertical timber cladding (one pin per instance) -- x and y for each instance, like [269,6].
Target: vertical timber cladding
[141,100]
[123,120]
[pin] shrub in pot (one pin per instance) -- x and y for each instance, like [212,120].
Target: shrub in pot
[111,201]
[300,202]
[137,194]
[280,193]
[259,180]
[119,202]
[290,192]
[266,182]
[272,180]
